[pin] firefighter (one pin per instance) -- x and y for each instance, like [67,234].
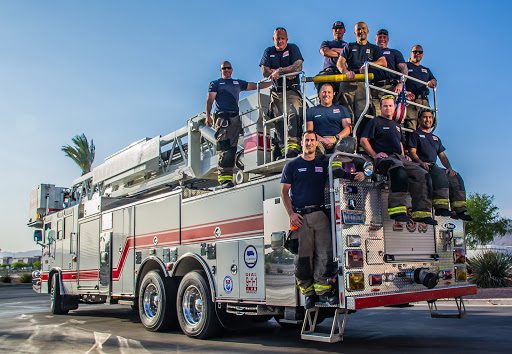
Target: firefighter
[225,93]
[350,62]
[417,92]
[284,58]
[384,79]
[302,191]
[448,186]
[383,140]
[330,122]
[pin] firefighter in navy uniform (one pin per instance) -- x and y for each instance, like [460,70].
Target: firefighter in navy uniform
[384,79]
[350,62]
[284,58]
[329,121]
[383,140]
[302,191]
[448,186]
[415,91]
[225,93]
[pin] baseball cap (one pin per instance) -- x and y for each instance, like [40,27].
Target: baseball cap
[383,31]
[338,24]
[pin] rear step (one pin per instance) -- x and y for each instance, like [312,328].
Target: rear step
[310,321]
[461,309]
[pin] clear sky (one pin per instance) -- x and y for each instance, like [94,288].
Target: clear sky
[122,70]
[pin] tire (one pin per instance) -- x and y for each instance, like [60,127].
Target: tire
[157,299]
[56,297]
[196,311]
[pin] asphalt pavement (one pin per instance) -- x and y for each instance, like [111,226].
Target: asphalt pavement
[27,326]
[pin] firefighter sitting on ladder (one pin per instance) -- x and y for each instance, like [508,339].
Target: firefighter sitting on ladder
[305,178]
[447,185]
[225,92]
[383,140]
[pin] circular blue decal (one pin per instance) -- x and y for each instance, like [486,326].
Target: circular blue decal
[250,256]
[228,284]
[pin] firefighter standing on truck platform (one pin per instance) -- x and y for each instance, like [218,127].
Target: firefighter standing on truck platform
[225,92]
[305,178]
[383,140]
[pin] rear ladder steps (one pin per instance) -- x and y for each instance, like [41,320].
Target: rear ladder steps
[461,309]
[337,327]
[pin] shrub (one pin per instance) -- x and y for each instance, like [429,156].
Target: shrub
[491,269]
[26,278]
[6,279]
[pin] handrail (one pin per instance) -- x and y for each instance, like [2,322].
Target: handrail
[368,86]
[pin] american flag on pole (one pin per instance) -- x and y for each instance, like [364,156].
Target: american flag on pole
[400,109]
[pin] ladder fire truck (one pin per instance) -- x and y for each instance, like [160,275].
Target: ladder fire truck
[150,228]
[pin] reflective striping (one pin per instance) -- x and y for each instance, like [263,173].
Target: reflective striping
[225,178]
[456,204]
[440,201]
[421,213]
[306,290]
[397,210]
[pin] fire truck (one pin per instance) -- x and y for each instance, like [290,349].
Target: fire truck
[151,229]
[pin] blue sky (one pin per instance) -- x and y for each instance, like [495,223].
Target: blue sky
[119,71]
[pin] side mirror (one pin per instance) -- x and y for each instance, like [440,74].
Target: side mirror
[38,236]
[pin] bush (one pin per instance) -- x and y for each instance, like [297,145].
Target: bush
[26,278]
[491,269]
[6,279]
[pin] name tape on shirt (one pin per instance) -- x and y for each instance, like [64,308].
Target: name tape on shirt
[272,55]
[319,169]
[221,83]
[285,54]
[318,115]
[336,110]
[304,169]
[421,136]
[385,127]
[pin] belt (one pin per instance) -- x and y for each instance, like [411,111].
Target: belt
[226,114]
[308,209]
[381,83]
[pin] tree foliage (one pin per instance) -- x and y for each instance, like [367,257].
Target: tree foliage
[19,265]
[36,265]
[487,221]
[82,153]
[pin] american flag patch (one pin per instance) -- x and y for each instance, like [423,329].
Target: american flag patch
[368,51]
[397,129]
[285,54]
[424,70]
[336,110]
[387,52]
[435,138]
[235,82]
[319,169]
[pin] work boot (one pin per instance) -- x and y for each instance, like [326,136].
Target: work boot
[462,216]
[292,153]
[444,212]
[401,217]
[428,220]
[310,301]
[227,184]
[331,299]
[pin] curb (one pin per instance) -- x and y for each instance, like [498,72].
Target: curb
[481,302]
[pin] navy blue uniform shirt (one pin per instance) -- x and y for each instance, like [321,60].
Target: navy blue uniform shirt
[385,135]
[428,145]
[421,73]
[356,55]
[228,93]
[274,59]
[307,179]
[393,57]
[327,120]
[332,44]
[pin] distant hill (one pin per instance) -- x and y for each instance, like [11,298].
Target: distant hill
[505,240]
[21,254]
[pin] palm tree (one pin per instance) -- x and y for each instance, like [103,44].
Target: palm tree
[81,153]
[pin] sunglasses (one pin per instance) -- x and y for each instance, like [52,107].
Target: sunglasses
[386,97]
[417,51]
[226,68]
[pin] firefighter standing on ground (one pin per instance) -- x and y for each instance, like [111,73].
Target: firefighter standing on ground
[225,93]
[284,58]
[302,191]
[383,140]
[448,186]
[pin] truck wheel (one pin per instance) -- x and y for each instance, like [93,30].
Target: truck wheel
[56,297]
[196,311]
[157,298]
